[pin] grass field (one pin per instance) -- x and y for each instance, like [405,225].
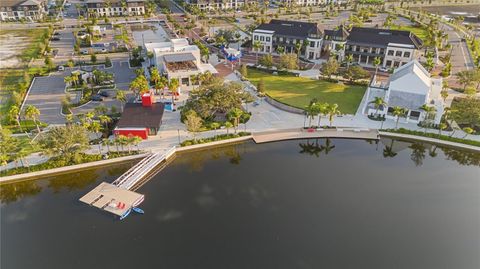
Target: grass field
[298,91]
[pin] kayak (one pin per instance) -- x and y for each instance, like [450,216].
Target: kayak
[138,210]
[126,214]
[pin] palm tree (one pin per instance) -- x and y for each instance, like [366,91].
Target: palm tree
[154,76]
[107,142]
[235,114]
[105,120]
[280,49]
[14,115]
[322,110]
[68,80]
[256,46]
[228,125]
[69,118]
[215,125]
[96,127]
[349,59]
[332,111]
[441,126]
[121,97]
[134,140]
[398,112]
[428,113]
[173,87]
[376,63]
[378,103]
[32,112]
[311,111]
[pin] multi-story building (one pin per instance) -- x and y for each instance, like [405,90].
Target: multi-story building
[220,4]
[335,41]
[178,59]
[286,34]
[394,48]
[305,3]
[110,8]
[22,9]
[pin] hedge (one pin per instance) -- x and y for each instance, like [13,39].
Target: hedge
[212,139]
[434,135]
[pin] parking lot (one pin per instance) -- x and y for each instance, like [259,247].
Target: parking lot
[46,93]
[64,46]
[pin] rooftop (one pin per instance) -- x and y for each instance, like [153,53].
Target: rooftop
[383,37]
[13,3]
[290,28]
[179,57]
[341,33]
[135,115]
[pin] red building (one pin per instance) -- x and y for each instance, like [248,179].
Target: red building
[141,120]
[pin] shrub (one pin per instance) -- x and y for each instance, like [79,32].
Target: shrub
[434,135]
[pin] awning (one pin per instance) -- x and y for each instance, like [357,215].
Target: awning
[181,57]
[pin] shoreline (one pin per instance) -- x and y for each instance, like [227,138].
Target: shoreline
[67,169]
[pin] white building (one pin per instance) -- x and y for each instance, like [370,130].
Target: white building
[305,3]
[286,34]
[12,10]
[111,8]
[178,59]
[220,4]
[409,87]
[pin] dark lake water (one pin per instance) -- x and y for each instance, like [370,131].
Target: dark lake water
[295,204]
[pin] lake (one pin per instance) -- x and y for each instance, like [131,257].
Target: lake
[326,203]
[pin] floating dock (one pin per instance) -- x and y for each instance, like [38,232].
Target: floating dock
[118,197]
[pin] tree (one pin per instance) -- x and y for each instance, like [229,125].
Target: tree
[215,125]
[378,103]
[311,111]
[48,62]
[429,110]
[100,110]
[398,112]
[444,94]
[234,115]
[266,60]
[154,75]
[8,146]
[105,120]
[93,58]
[70,63]
[330,67]
[466,78]
[322,109]
[108,62]
[14,115]
[32,113]
[376,63]
[332,111]
[244,70]
[288,61]
[257,46]
[120,96]
[349,59]
[95,127]
[228,125]
[261,86]
[355,73]
[139,85]
[173,87]
[65,143]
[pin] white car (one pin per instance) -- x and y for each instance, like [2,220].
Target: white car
[384,69]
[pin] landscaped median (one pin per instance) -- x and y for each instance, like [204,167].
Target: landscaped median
[434,136]
[299,91]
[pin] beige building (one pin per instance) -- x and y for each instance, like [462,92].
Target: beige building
[112,8]
[31,10]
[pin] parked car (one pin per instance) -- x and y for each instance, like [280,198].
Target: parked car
[55,39]
[105,93]
[96,97]
[384,69]
[61,68]
[56,33]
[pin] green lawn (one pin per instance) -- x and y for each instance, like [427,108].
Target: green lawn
[298,91]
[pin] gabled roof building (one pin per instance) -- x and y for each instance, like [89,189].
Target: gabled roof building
[286,34]
[12,10]
[410,87]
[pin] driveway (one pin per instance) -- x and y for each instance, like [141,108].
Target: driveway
[46,94]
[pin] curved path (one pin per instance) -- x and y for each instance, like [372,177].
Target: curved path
[300,133]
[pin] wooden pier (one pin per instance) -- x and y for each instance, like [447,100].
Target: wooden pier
[118,197]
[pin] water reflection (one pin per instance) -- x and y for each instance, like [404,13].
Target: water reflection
[197,160]
[13,192]
[315,148]
[419,151]
[74,181]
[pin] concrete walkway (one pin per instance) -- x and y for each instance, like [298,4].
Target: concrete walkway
[299,133]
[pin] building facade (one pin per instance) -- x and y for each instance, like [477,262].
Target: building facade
[409,87]
[394,48]
[306,3]
[220,4]
[283,36]
[102,8]
[13,10]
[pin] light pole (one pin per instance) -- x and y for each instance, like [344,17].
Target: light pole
[178,132]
